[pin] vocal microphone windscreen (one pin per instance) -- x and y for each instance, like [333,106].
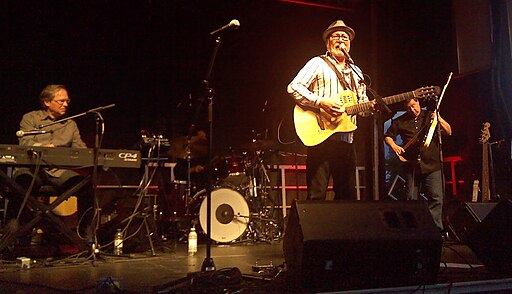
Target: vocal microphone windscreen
[22,133]
[235,24]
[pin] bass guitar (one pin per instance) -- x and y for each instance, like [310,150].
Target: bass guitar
[413,153]
[484,140]
[313,126]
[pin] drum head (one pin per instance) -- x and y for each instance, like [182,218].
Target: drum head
[229,216]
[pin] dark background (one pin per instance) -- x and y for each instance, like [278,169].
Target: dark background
[149,57]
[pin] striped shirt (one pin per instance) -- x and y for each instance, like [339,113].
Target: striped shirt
[317,81]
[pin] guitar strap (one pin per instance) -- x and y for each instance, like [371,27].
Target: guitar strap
[343,82]
[340,76]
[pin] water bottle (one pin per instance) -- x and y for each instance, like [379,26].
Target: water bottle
[192,241]
[118,242]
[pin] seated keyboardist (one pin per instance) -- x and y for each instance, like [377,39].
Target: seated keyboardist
[55,101]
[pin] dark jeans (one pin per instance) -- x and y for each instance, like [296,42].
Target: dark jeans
[336,159]
[432,185]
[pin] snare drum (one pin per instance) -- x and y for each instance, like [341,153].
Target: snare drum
[229,214]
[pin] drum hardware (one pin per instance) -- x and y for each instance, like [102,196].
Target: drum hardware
[241,208]
[263,226]
[189,147]
[264,229]
[183,147]
[258,145]
[241,211]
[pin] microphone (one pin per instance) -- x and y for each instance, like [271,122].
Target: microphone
[22,133]
[234,24]
[347,56]
[497,142]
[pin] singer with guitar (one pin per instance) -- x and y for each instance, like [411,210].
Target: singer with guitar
[321,89]
[422,162]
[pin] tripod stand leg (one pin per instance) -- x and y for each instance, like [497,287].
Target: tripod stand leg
[148,232]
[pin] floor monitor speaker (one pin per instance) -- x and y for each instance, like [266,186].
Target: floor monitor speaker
[467,217]
[335,245]
[491,240]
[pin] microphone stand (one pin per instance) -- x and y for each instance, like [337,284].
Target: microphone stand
[440,143]
[94,110]
[208,263]
[378,123]
[380,102]
[100,122]
[350,62]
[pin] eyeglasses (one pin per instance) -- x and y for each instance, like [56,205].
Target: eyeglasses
[343,37]
[62,101]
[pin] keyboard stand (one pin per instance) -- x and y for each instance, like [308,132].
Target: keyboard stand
[42,211]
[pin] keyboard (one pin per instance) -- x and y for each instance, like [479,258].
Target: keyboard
[67,156]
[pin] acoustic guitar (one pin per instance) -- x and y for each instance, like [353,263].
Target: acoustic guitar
[313,126]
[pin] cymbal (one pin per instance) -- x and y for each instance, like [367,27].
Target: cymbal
[198,147]
[260,145]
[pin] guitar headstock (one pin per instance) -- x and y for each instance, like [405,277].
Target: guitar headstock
[486,134]
[428,92]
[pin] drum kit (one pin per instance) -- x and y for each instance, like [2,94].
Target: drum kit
[241,205]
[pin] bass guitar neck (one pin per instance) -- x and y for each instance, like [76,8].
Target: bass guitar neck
[484,140]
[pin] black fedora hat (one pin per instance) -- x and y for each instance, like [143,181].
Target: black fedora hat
[338,25]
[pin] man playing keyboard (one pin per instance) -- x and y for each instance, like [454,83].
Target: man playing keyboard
[55,101]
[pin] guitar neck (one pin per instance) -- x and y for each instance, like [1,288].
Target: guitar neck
[357,108]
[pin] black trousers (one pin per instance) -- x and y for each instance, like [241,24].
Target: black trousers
[331,158]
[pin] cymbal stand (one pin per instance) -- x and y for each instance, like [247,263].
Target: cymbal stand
[188,190]
[263,227]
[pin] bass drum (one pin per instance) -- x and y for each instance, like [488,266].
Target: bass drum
[229,216]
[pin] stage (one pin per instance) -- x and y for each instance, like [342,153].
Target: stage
[173,271]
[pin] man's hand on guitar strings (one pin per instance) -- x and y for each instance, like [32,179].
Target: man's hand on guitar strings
[399,150]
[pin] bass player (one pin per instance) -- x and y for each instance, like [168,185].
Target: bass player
[422,165]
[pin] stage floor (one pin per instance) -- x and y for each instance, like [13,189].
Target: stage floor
[169,272]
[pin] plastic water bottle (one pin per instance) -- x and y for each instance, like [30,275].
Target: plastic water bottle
[192,241]
[118,242]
